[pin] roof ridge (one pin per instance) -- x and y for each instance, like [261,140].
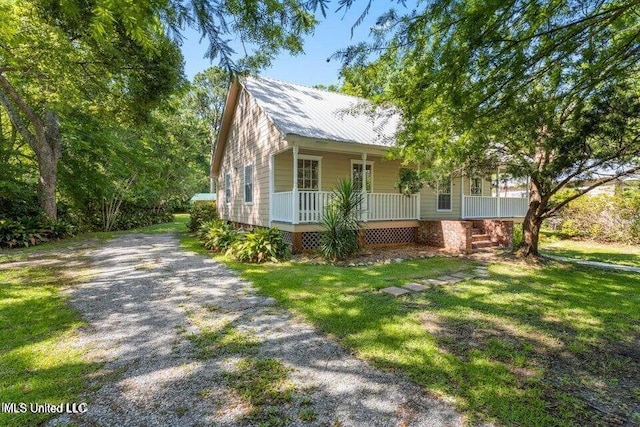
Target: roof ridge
[357,98]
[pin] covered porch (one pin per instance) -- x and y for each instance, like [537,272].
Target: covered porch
[306,207]
[303,179]
[481,207]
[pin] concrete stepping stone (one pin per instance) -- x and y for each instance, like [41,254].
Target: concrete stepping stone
[463,275]
[415,287]
[395,291]
[482,272]
[434,282]
[450,279]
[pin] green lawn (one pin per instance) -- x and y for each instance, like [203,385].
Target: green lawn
[591,251]
[527,346]
[39,361]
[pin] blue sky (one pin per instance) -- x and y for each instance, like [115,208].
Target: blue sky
[310,68]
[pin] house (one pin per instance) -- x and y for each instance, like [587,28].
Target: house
[282,147]
[202,197]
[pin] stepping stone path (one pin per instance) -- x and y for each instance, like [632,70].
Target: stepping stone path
[443,280]
[450,279]
[463,275]
[395,291]
[415,287]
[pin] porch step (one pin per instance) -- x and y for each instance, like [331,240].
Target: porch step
[482,244]
[480,237]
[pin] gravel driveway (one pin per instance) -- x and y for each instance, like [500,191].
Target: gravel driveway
[148,308]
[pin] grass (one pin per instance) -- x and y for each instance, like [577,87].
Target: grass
[527,346]
[613,253]
[39,361]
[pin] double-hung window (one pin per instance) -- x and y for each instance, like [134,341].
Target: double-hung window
[227,188]
[444,194]
[475,188]
[309,173]
[357,176]
[248,184]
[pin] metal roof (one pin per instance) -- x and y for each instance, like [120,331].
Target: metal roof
[200,197]
[316,113]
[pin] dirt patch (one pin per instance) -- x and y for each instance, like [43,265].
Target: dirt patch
[389,254]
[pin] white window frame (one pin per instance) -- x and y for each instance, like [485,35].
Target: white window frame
[244,183]
[359,162]
[227,188]
[450,196]
[471,186]
[317,159]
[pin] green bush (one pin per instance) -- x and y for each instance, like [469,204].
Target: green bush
[26,232]
[517,235]
[341,224]
[259,245]
[217,235]
[200,213]
[135,217]
[602,217]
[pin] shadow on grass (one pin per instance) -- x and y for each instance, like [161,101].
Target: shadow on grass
[527,346]
[39,362]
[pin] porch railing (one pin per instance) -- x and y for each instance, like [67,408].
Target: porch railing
[377,207]
[494,207]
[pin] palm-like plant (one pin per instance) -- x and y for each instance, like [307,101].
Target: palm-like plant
[341,223]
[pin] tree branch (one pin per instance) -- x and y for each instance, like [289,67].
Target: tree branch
[33,118]
[598,183]
[15,118]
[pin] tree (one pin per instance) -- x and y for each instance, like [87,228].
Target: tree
[206,98]
[47,70]
[57,55]
[548,90]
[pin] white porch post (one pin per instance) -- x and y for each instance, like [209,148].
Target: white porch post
[498,190]
[462,215]
[271,189]
[296,198]
[365,196]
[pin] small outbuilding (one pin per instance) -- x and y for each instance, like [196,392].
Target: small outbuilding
[203,197]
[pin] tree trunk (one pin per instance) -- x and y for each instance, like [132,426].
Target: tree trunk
[44,141]
[48,154]
[532,223]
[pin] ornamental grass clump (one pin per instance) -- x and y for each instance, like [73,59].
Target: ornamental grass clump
[341,222]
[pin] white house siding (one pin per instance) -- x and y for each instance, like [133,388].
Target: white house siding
[252,139]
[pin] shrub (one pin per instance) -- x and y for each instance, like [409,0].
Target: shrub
[341,224]
[200,213]
[259,245]
[58,229]
[517,235]
[26,232]
[134,217]
[602,217]
[217,235]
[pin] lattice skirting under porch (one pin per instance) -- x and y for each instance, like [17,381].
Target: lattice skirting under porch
[389,236]
[375,236]
[287,236]
[310,240]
